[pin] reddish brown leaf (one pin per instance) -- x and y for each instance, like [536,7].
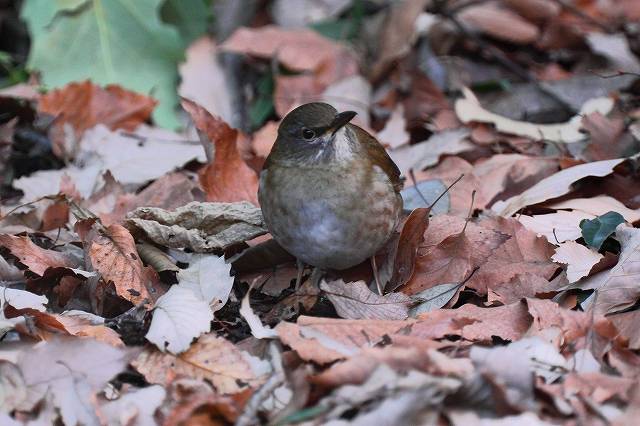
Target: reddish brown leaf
[500,23]
[227,178]
[628,324]
[114,255]
[453,258]
[83,105]
[607,137]
[37,259]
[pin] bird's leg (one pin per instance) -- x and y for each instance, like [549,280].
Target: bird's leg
[376,277]
[300,266]
[316,276]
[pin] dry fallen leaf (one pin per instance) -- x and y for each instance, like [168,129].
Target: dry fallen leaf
[202,79]
[211,358]
[355,301]
[227,178]
[179,316]
[469,110]
[394,133]
[499,23]
[200,227]
[619,290]
[208,277]
[554,186]
[36,259]
[80,106]
[578,258]
[135,407]
[72,371]
[114,255]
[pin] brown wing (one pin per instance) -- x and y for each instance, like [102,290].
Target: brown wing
[379,156]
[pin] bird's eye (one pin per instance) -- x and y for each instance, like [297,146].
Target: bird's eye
[308,134]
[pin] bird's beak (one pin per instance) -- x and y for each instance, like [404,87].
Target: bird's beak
[340,120]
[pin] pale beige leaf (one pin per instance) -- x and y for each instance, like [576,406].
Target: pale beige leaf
[554,186]
[427,153]
[203,79]
[469,110]
[394,134]
[578,258]
[134,408]
[211,358]
[621,287]
[178,318]
[355,301]
[201,227]
[208,277]
[556,227]
[597,206]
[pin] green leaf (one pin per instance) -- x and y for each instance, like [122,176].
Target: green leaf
[109,42]
[597,230]
[190,17]
[262,107]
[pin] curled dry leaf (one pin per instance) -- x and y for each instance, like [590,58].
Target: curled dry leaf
[554,186]
[227,178]
[578,258]
[83,105]
[114,255]
[211,358]
[499,23]
[619,290]
[355,301]
[258,329]
[201,227]
[179,317]
[73,371]
[469,110]
[37,259]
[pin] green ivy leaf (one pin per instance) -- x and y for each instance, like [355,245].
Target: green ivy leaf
[109,42]
[190,17]
[597,230]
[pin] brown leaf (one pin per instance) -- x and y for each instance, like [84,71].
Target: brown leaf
[402,258]
[628,324]
[500,23]
[83,105]
[37,259]
[523,253]
[397,34]
[607,137]
[535,10]
[227,178]
[355,301]
[114,255]
[453,258]
[264,139]
[211,358]
[297,49]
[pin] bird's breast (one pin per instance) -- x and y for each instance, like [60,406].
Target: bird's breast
[331,219]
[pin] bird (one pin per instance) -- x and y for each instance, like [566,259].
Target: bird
[328,190]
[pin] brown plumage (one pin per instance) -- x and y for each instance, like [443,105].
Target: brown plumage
[329,192]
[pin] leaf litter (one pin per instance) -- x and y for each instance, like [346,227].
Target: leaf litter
[140,286]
